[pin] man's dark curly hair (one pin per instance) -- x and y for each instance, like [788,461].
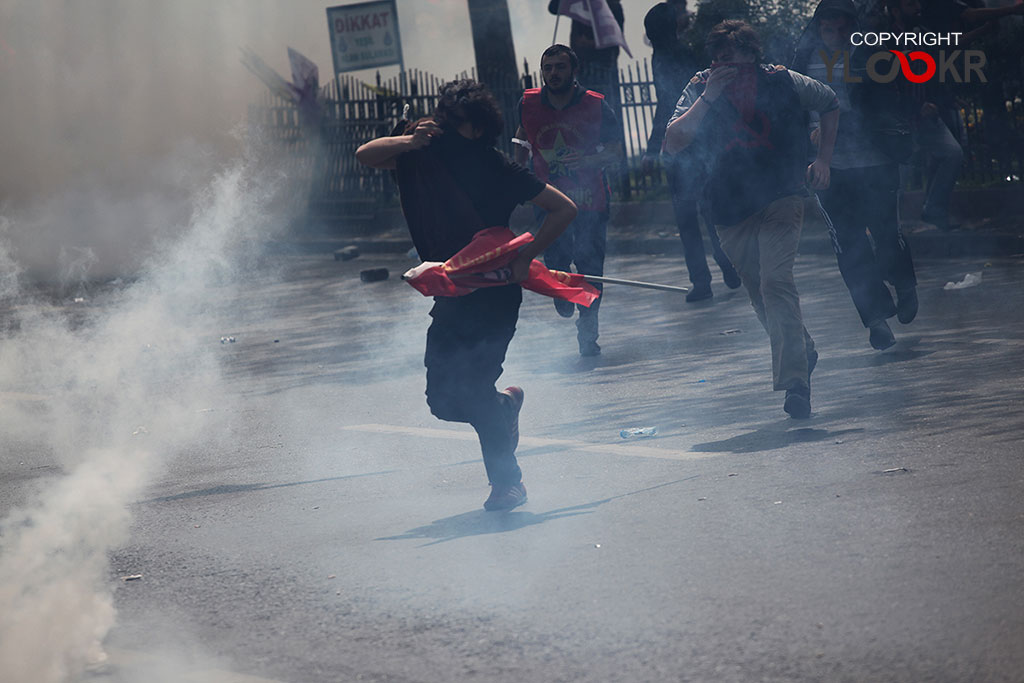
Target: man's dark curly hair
[736,34]
[466,100]
[559,49]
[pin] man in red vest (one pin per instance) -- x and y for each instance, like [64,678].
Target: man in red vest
[573,136]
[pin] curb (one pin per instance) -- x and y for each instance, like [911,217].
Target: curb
[929,243]
[649,228]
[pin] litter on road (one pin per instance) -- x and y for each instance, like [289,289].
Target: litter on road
[374,275]
[970,280]
[346,253]
[638,432]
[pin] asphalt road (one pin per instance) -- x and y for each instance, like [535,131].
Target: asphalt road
[332,529]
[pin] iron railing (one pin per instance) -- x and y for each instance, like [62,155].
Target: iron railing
[319,147]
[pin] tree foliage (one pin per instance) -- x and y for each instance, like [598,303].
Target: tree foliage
[778,22]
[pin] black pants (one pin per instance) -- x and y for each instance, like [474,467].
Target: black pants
[466,345]
[685,206]
[860,199]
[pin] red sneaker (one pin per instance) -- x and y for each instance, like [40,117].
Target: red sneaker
[505,497]
[515,404]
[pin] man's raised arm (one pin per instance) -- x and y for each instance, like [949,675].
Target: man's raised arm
[382,152]
[693,107]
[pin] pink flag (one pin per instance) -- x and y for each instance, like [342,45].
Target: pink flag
[305,75]
[599,17]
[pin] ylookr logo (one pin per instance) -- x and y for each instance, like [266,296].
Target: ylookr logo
[917,66]
[958,66]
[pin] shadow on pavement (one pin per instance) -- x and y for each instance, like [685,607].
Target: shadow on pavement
[248,488]
[479,522]
[769,438]
[903,351]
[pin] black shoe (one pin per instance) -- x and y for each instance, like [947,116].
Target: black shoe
[798,403]
[515,404]
[699,293]
[565,308]
[906,305]
[589,349]
[731,277]
[880,336]
[505,497]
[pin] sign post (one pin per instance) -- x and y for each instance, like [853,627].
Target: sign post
[492,45]
[365,35]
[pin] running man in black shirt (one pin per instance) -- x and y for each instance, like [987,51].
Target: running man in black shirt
[454,183]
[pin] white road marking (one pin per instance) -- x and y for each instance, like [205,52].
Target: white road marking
[18,396]
[626,448]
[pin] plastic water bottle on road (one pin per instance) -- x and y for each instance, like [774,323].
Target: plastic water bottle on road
[638,432]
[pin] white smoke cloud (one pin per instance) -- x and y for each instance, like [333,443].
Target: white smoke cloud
[118,388]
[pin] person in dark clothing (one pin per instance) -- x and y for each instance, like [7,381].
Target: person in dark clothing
[454,183]
[599,67]
[935,122]
[969,17]
[752,117]
[863,194]
[673,64]
[940,129]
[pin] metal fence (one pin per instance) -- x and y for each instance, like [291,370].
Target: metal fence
[319,147]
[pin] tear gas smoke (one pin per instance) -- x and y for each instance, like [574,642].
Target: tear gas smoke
[119,389]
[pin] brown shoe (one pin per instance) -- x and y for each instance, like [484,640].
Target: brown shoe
[505,497]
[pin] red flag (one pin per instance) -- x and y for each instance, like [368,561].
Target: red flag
[483,263]
[599,17]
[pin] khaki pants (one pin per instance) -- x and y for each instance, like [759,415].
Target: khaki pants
[763,250]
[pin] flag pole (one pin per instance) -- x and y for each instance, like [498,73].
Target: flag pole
[555,36]
[635,283]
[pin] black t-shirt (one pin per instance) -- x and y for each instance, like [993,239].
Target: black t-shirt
[456,187]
